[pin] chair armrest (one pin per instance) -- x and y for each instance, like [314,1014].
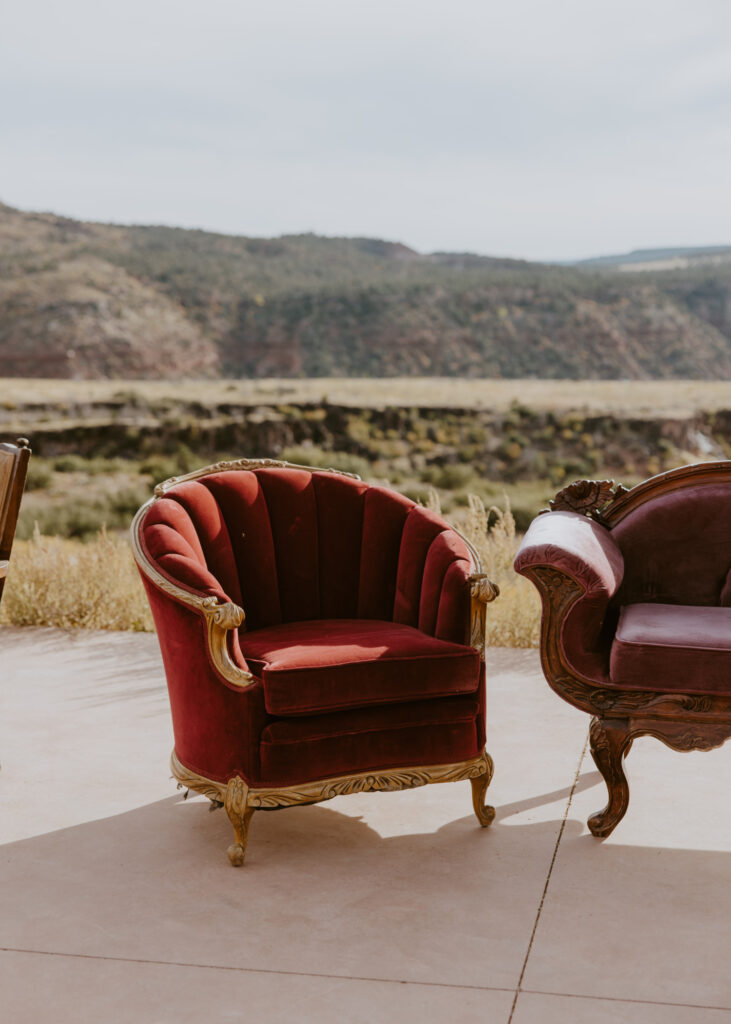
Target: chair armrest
[575,545]
[222,617]
[577,568]
[482,592]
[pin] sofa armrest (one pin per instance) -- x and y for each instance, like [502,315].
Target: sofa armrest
[577,568]
[575,545]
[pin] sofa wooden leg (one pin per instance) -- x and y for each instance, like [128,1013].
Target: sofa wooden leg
[610,742]
[485,813]
[239,813]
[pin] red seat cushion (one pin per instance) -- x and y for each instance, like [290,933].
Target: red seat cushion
[668,647]
[331,664]
[422,733]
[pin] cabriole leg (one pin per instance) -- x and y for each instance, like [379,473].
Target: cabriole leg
[239,814]
[484,812]
[610,742]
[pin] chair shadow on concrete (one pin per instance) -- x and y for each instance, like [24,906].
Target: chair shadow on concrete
[323,892]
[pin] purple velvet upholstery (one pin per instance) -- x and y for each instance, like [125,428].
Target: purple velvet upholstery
[677,547]
[357,622]
[585,551]
[672,647]
[663,572]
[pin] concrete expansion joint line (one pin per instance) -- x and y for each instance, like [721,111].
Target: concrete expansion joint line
[548,878]
[248,970]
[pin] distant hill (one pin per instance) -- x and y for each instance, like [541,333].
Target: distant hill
[681,257]
[90,300]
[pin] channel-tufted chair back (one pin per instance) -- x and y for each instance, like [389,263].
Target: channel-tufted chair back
[289,545]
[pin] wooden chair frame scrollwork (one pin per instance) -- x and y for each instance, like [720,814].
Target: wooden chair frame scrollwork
[236,796]
[681,720]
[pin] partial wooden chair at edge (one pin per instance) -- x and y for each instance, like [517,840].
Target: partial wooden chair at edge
[14,460]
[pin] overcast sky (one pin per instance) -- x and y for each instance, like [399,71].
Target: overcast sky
[546,129]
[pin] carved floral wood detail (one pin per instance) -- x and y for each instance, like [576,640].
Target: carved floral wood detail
[482,592]
[587,497]
[240,801]
[242,464]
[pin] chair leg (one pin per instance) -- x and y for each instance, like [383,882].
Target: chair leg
[610,743]
[485,813]
[240,815]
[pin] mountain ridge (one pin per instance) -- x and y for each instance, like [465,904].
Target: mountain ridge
[89,300]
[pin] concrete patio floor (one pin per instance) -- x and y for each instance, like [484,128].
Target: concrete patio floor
[119,904]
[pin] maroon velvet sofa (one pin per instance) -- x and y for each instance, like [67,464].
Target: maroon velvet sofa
[320,636]
[636,631]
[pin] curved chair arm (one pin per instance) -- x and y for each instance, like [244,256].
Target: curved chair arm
[576,545]
[482,592]
[221,617]
[577,568]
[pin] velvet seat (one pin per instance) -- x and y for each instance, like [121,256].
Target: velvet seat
[637,613]
[332,664]
[672,647]
[315,631]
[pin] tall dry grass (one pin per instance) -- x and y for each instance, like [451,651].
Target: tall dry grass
[58,582]
[95,585]
[514,619]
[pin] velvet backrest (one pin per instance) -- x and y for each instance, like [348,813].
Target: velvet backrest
[677,547]
[291,545]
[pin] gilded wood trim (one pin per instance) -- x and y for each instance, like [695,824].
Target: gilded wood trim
[482,592]
[340,785]
[243,464]
[364,782]
[240,800]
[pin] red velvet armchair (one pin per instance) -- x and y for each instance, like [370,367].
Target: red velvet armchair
[636,589]
[320,636]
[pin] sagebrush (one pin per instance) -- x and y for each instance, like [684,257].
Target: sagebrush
[59,582]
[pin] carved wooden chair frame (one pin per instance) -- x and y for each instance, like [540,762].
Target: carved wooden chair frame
[239,800]
[14,460]
[683,721]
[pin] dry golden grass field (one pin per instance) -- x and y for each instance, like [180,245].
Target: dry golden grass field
[636,397]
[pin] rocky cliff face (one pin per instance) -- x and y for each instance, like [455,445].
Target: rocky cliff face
[86,319]
[92,300]
[490,331]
